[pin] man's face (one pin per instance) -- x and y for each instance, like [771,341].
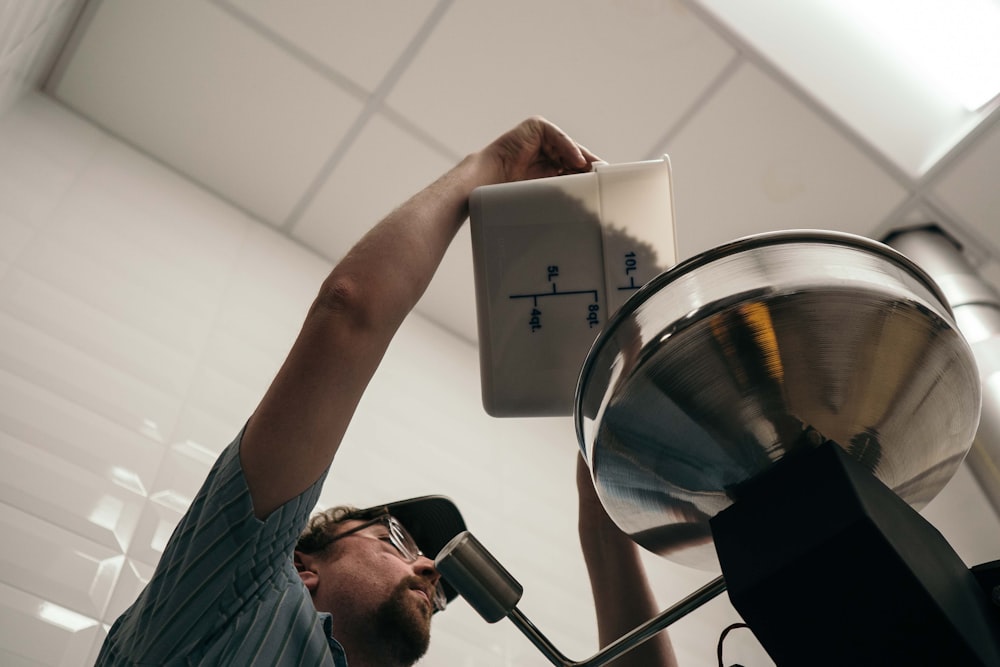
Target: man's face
[365,582]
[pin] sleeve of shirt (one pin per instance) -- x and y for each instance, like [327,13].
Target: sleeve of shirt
[218,559]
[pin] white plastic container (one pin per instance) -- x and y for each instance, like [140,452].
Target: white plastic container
[554,258]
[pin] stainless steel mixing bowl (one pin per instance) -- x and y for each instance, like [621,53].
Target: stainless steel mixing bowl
[724,364]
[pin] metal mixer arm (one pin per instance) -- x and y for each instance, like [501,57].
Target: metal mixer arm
[626,642]
[493,592]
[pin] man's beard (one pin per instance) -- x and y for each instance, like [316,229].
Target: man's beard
[404,623]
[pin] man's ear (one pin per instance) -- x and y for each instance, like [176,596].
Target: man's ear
[305,565]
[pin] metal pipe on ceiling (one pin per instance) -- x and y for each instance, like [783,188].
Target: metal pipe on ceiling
[976,305]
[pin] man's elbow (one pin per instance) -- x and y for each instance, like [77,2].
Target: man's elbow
[346,299]
[367,305]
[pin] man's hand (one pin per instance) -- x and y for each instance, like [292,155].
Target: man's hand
[535,149]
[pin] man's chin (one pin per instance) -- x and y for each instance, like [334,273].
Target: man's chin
[405,622]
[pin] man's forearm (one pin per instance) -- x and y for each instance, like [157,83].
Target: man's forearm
[622,595]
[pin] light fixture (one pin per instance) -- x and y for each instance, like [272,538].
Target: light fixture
[911,77]
[953,46]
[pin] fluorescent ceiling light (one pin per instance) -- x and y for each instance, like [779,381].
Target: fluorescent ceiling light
[954,45]
[910,77]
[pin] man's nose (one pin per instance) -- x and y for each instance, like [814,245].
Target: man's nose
[424,567]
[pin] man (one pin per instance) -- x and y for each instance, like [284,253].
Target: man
[226,590]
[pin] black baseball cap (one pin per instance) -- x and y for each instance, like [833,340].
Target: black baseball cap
[432,521]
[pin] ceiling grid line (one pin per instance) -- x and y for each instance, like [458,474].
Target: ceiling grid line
[373,104]
[714,86]
[979,247]
[756,58]
[418,133]
[72,25]
[944,163]
[295,52]
[896,218]
[920,189]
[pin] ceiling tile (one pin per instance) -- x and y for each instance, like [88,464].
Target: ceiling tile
[360,40]
[757,159]
[969,186]
[380,171]
[190,84]
[616,76]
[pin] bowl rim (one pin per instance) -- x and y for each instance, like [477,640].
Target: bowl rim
[742,244]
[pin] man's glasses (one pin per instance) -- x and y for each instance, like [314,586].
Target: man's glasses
[397,536]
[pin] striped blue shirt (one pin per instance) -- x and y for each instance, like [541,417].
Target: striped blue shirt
[225,591]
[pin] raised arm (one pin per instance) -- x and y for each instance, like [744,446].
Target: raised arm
[296,430]
[622,595]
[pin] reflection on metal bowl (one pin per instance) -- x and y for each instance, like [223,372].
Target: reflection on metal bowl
[732,359]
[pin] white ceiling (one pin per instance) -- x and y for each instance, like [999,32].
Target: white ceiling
[319,118]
